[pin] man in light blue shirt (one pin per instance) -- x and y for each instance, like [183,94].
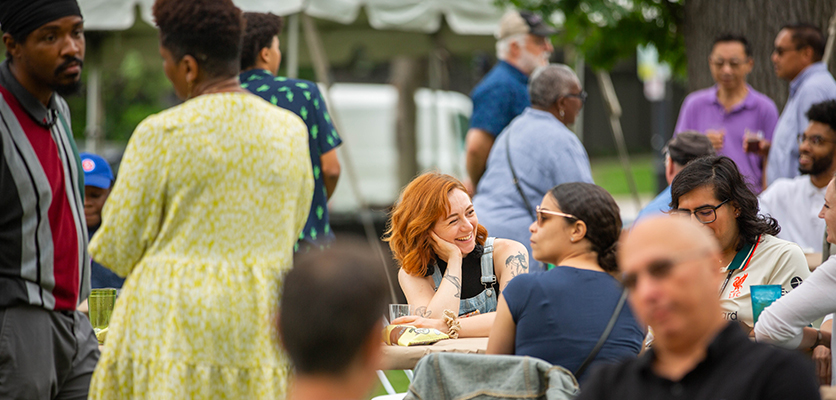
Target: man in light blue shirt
[523,45]
[540,150]
[797,56]
[682,149]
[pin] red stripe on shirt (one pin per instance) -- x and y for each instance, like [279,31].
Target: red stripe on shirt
[752,254]
[60,216]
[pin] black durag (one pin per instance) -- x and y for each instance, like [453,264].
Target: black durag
[20,17]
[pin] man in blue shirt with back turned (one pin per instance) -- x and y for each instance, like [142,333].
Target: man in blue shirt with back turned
[523,45]
[260,59]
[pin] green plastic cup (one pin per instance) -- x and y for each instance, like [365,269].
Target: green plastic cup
[762,297]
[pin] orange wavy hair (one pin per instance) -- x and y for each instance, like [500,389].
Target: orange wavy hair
[421,204]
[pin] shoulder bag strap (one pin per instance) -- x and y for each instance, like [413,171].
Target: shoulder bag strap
[604,335]
[516,180]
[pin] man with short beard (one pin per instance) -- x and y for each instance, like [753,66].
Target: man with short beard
[48,349]
[795,203]
[523,45]
[797,58]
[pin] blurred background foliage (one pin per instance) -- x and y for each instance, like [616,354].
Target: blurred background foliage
[608,31]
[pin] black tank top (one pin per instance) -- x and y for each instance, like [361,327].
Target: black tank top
[471,273]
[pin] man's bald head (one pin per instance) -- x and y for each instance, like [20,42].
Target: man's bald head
[670,266]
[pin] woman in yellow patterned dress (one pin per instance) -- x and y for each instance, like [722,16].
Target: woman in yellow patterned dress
[210,198]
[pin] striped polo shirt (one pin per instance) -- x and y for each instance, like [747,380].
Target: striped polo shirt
[43,240]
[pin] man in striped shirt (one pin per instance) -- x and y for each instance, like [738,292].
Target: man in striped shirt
[48,349]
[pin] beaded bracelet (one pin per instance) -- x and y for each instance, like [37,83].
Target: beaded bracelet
[452,321]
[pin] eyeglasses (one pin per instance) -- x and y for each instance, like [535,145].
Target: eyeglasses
[541,219]
[582,96]
[704,214]
[780,50]
[814,140]
[733,63]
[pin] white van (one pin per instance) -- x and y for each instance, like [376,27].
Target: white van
[365,118]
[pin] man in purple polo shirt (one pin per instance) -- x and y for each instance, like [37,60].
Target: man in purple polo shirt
[731,111]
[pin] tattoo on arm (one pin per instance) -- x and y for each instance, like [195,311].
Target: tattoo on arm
[516,264]
[457,282]
[423,312]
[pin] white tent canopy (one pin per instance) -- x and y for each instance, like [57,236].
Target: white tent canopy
[471,17]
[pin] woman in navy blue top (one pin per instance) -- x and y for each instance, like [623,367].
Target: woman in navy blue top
[559,315]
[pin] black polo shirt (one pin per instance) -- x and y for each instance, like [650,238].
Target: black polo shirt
[734,368]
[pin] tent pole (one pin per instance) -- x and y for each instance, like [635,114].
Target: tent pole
[317,50]
[321,68]
[614,109]
[93,128]
[293,46]
[828,48]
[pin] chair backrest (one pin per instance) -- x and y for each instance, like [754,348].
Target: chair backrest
[440,376]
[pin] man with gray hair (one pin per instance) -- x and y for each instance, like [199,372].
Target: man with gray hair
[682,149]
[535,153]
[523,45]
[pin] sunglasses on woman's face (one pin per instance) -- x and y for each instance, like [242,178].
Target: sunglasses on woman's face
[541,218]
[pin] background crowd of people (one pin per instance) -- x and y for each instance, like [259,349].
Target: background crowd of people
[216,196]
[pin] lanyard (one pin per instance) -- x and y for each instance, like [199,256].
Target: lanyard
[740,262]
[726,282]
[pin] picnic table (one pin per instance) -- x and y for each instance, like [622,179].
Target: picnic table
[405,357]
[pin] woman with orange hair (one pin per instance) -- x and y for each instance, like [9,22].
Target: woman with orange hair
[447,260]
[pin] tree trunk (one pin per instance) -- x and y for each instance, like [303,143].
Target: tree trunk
[406,76]
[759,21]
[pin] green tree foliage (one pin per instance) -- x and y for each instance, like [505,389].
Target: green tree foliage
[130,92]
[608,31]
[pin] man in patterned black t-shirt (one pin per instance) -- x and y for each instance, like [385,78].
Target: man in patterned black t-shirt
[260,61]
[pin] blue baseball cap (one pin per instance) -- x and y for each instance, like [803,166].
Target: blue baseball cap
[97,171]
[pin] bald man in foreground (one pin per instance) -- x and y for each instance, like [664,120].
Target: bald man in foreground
[670,267]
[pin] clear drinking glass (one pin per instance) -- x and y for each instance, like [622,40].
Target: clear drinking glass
[399,310]
[100,305]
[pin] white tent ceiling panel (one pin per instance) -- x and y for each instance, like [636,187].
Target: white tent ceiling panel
[472,17]
[119,14]
[342,11]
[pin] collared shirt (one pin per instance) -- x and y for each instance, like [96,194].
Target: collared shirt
[658,205]
[303,98]
[544,153]
[43,240]
[734,368]
[702,111]
[795,203]
[498,98]
[813,85]
[771,261]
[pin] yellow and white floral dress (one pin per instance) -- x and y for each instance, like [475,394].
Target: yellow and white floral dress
[210,198]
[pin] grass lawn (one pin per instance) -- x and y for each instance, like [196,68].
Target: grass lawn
[607,173]
[398,380]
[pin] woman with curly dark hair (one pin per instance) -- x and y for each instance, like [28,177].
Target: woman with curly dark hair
[715,193]
[202,220]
